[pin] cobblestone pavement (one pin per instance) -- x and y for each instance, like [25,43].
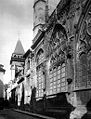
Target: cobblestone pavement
[10,114]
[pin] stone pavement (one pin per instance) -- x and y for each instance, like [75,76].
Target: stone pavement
[17,114]
[33,114]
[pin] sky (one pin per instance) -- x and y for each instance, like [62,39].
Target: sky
[16,22]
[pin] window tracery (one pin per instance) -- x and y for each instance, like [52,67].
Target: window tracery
[40,58]
[84,53]
[57,70]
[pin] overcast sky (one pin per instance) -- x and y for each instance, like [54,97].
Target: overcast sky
[15,18]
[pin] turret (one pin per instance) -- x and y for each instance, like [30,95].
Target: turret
[17,60]
[39,15]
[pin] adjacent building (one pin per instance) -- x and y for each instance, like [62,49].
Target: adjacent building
[21,76]
[17,69]
[2,90]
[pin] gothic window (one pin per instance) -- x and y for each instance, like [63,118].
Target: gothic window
[58,38]
[40,82]
[63,78]
[57,80]
[89,69]
[82,72]
[40,73]
[57,71]
[40,56]
[83,64]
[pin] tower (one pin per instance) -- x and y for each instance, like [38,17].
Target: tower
[39,15]
[17,60]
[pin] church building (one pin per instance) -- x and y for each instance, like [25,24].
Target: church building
[59,64]
[62,50]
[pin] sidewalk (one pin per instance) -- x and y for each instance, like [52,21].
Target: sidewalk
[33,114]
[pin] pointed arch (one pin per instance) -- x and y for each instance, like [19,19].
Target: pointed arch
[82,17]
[39,55]
[83,48]
[59,27]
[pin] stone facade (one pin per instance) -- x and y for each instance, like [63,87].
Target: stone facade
[59,68]
[27,78]
[39,15]
[62,55]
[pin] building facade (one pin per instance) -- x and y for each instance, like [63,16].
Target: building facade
[62,56]
[57,71]
[20,88]
[27,79]
[17,71]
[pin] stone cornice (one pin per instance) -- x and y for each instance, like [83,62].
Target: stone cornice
[27,53]
[38,38]
[17,59]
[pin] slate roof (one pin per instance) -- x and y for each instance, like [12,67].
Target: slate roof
[19,48]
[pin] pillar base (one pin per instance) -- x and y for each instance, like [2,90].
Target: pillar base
[79,102]
[78,112]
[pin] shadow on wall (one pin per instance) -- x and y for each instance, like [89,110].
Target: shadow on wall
[6,104]
[33,100]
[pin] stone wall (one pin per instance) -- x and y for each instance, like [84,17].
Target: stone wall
[67,42]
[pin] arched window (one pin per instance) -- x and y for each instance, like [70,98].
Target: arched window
[57,71]
[40,56]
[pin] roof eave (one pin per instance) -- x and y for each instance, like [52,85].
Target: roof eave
[38,39]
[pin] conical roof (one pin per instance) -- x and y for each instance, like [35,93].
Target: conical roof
[19,48]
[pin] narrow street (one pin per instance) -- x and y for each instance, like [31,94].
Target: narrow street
[10,114]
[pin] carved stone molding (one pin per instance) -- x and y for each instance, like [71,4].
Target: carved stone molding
[85,35]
